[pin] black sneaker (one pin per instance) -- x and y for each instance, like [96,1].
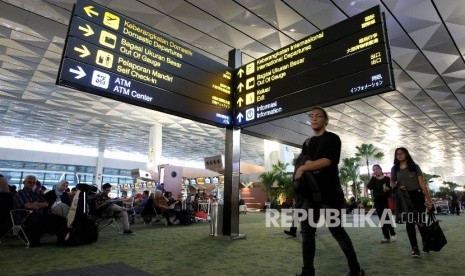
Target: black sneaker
[290,233]
[128,232]
[425,248]
[360,273]
[415,253]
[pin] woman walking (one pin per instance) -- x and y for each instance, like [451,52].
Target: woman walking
[413,197]
[380,184]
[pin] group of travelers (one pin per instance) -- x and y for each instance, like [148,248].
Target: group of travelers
[48,212]
[317,186]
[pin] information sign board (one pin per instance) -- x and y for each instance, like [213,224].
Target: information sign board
[102,40]
[346,61]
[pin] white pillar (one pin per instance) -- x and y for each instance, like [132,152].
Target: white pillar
[98,172]
[155,147]
[271,152]
[286,156]
[275,152]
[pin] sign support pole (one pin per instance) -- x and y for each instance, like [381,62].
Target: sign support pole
[232,170]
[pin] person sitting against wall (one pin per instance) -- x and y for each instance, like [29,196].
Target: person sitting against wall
[161,206]
[38,222]
[107,207]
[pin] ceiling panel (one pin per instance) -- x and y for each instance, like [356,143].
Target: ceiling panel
[425,113]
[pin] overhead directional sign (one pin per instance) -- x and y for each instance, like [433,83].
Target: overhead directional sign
[346,61]
[114,56]
[126,49]
[121,88]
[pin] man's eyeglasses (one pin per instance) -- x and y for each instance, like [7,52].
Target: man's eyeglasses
[311,116]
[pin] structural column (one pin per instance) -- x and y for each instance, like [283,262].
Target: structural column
[155,147]
[275,152]
[232,169]
[98,172]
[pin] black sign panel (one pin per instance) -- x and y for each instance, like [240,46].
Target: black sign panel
[126,49]
[346,56]
[361,84]
[104,83]
[130,28]
[151,57]
[140,71]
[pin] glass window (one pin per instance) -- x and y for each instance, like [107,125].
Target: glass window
[13,178]
[51,179]
[110,179]
[125,172]
[85,178]
[11,164]
[70,177]
[56,167]
[35,166]
[110,171]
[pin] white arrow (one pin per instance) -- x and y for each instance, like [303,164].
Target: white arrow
[79,72]
[239,117]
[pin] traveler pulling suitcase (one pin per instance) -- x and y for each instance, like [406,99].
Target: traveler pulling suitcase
[82,229]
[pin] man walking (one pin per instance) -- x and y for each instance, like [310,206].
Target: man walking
[323,151]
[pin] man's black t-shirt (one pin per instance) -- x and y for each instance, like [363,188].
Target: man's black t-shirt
[327,146]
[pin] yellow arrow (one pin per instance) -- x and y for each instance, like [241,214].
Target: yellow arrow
[90,11]
[239,102]
[240,86]
[87,30]
[240,72]
[84,51]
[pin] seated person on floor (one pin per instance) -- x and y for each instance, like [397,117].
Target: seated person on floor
[161,205]
[58,200]
[38,222]
[107,207]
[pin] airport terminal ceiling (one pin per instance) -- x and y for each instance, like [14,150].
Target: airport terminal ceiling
[425,113]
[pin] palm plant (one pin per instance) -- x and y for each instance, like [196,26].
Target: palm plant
[277,181]
[451,185]
[344,178]
[368,151]
[350,168]
[429,178]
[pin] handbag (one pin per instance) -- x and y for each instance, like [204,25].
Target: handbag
[435,238]
[391,203]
